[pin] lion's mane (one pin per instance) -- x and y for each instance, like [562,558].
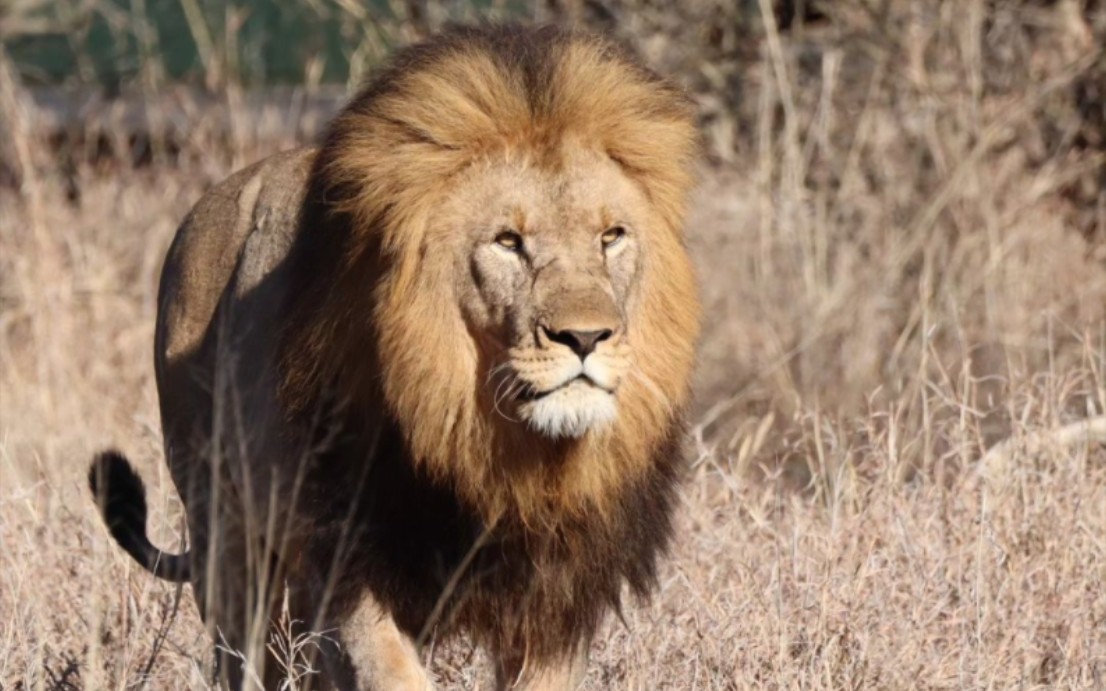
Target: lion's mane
[373,325]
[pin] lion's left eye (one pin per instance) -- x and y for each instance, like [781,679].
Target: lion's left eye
[612,236]
[509,240]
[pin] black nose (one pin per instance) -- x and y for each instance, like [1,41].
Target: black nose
[581,342]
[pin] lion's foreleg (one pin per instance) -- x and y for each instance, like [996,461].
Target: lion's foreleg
[383,657]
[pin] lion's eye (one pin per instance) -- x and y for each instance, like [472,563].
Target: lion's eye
[612,236]
[509,240]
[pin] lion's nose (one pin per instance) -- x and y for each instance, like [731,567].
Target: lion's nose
[581,342]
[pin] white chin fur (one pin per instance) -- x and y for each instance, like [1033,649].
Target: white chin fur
[571,411]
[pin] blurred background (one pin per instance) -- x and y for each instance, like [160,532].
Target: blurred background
[901,237]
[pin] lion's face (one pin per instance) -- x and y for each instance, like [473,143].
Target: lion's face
[499,268]
[547,260]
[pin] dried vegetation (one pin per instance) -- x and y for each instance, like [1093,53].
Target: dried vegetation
[901,235]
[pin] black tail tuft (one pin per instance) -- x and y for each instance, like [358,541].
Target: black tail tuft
[121,496]
[119,493]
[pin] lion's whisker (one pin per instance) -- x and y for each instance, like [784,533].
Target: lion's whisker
[504,382]
[515,381]
[506,365]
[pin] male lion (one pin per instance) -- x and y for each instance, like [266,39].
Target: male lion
[428,378]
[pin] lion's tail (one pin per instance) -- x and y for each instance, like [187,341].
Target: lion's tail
[121,496]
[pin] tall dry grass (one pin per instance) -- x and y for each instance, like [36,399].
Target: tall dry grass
[902,242]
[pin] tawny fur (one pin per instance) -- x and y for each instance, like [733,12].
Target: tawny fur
[323,373]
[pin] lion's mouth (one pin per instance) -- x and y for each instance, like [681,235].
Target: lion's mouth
[529,394]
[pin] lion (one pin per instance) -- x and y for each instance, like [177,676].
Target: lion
[430,378]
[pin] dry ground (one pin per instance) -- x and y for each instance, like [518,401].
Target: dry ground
[894,567]
[895,283]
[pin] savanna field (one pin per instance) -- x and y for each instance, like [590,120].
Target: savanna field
[898,456]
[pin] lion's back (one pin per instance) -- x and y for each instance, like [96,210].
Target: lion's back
[254,209]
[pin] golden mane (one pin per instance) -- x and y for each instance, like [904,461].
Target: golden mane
[371,320]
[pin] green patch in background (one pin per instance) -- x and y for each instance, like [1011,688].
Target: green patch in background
[113,43]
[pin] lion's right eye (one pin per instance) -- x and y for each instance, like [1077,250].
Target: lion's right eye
[509,240]
[612,236]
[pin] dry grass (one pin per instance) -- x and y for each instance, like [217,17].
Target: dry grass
[905,263]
